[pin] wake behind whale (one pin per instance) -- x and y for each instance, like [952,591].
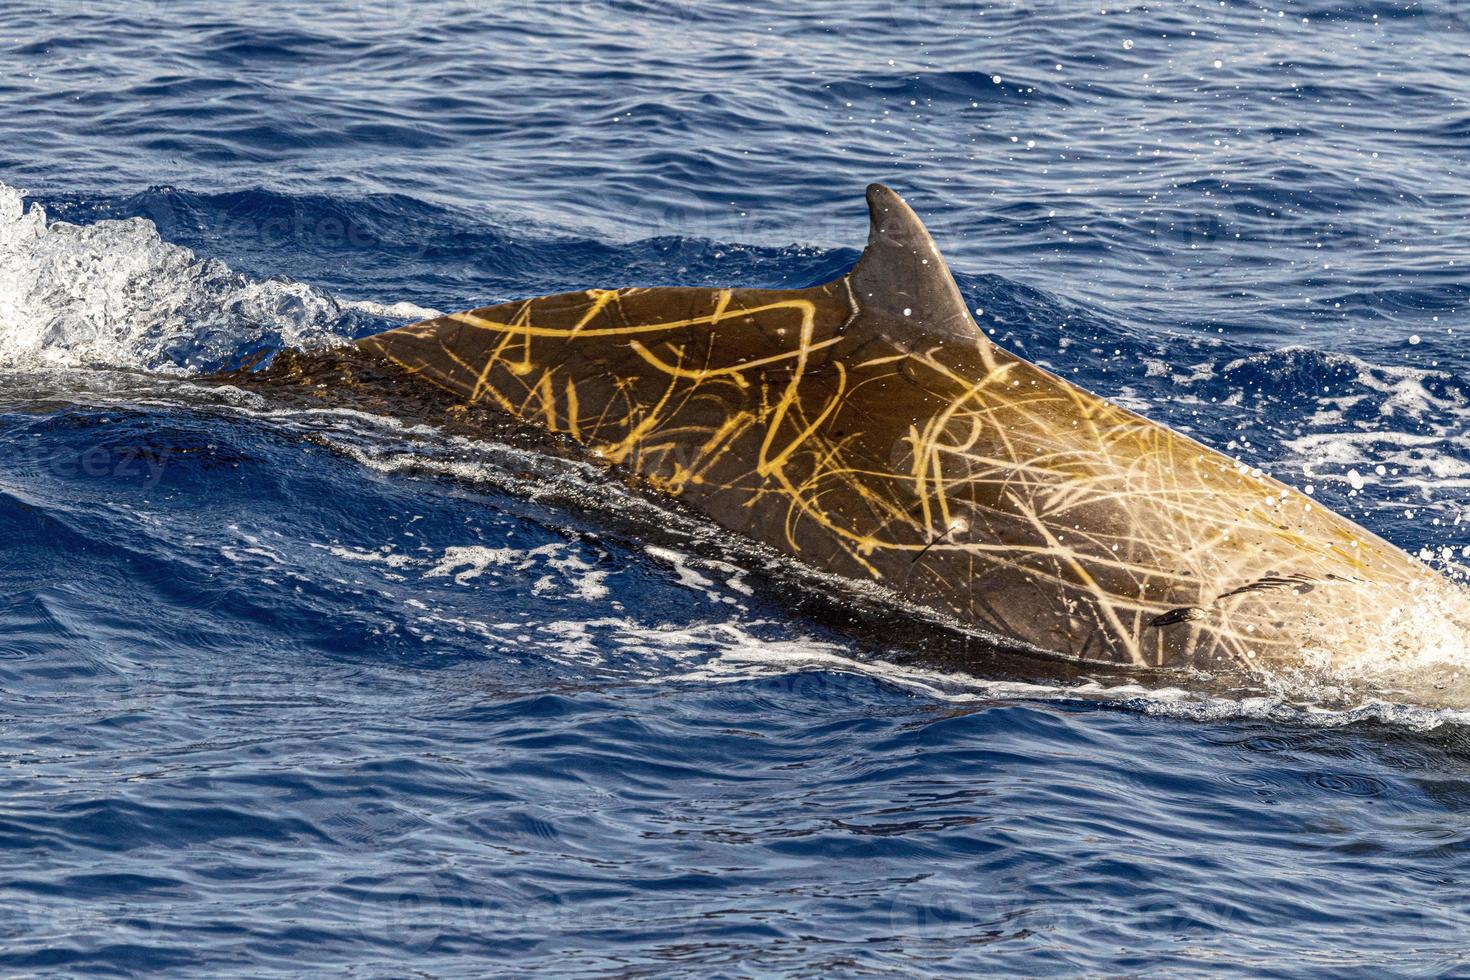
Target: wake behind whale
[867,429]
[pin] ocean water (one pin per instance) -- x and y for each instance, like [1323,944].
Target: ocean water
[291,692]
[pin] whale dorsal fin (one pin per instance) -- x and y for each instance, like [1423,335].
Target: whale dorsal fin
[899,293]
[901,277]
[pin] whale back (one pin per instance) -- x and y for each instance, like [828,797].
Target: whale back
[868,427]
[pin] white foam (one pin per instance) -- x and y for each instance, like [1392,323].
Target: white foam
[383,556]
[582,581]
[557,570]
[474,559]
[115,294]
[662,653]
[688,577]
[402,310]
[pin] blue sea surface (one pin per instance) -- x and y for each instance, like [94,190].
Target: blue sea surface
[288,692]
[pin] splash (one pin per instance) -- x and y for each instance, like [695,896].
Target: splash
[114,294]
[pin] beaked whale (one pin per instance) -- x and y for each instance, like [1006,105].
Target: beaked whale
[869,429]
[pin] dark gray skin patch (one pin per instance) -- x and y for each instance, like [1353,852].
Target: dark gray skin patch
[1299,584]
[1185,614]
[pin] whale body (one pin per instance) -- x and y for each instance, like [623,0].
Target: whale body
[869,429]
